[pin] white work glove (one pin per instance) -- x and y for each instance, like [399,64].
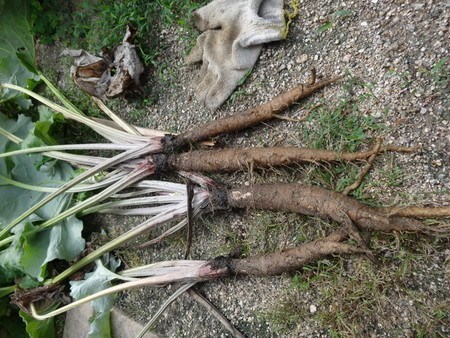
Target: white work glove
[233,34]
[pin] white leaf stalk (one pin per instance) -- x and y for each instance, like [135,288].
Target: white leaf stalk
[123,136]
[126,181]
[65,147]
[142,131]
[69,105]
[87,185]
[120,122]
[13,138]
[176,211]
[117,207]
[165,202]
[112,134]
[124,156]
[189,272]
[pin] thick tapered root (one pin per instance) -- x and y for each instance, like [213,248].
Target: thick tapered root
[222,160]
[309,200]
[292,259]
[252,116]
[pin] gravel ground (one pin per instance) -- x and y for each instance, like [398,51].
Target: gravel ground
[392,47]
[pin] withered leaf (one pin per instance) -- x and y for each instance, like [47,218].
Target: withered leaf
[109,75]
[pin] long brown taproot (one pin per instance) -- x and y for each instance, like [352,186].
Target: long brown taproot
[316,201]
[252,116]
[233,159]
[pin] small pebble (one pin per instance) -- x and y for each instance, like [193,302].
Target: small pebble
[302,58]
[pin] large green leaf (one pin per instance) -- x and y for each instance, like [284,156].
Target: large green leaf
[47,129]
[11,325]
[30,169]
[16,42]
[38,328]
[94,282]
[62,241]
[10,266]
[30,252]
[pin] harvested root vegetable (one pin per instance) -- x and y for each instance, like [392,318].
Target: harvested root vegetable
[249,117]
[276,263]
[315,201]
[295,198]
[192,271]
[320,202]
[233,159]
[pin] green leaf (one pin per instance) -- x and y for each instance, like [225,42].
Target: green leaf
[326,26]
[438,66]
[28,282]
[4,306]
[94,282]
[46,128]
[62,241]
[27,61]
[11,325]
[10,267]
[5,291]
[30,253]
[38,328]
[16,39]
[342,13]
[23,168]
[244,77]
[439,72]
